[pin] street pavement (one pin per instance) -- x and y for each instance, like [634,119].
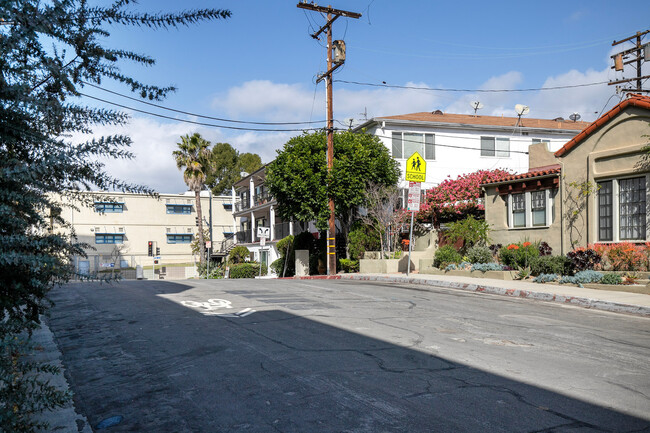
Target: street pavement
[388,354]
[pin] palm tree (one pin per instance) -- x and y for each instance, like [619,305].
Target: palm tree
[194,156]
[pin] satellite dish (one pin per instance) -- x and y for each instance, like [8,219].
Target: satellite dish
[349,121]
[476,105]
[521,109]
[575,117]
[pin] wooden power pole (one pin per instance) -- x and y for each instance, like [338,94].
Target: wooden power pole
[639,53]
[332,65]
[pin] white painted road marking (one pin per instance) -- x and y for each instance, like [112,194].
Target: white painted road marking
[211,307]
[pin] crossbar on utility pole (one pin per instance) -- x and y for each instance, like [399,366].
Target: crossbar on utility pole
[332,15]
[638,59]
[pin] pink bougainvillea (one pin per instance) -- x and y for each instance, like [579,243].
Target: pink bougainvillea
[457,198]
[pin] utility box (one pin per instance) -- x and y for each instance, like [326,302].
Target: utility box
[139,273]
[302,263]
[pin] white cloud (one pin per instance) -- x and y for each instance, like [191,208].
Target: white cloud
[261,100]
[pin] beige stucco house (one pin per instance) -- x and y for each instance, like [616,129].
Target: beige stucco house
[594,189]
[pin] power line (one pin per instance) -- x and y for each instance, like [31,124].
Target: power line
[199,115]
[194,122]
[437,89]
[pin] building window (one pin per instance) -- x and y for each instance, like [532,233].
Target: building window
[105,207]
[179,209]
[530,209]
[499,147]
[622,209]
[605,215]
[518,210]
[632,196]
[109,238]
[405,144]
[538,207]
[179,238]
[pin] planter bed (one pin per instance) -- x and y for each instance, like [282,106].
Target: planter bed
[495,275]
[630,288]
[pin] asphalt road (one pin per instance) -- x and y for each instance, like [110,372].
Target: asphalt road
[346,356]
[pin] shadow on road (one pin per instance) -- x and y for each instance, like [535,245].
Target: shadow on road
[164,367]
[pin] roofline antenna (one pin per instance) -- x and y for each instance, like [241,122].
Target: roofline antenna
[476,105]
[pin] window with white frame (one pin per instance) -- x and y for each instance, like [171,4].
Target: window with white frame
[405,144]
[530,209]
[495,146]
[622,212]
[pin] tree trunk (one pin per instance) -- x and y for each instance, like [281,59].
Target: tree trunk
[199,215]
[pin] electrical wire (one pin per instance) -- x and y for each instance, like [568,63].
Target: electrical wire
[451,146]
[199,115]
[197,123]
[437,89]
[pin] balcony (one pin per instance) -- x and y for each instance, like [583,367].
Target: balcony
[244,237]
[260,199]
[281,231]
[242,205]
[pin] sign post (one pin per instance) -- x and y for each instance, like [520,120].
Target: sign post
[416,172]
[263,233]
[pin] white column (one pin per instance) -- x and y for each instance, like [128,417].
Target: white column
[291,227]
[272,222]
[233,197]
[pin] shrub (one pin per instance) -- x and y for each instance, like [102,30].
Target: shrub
[479,254]
[349,265]
[544,249]
[284,245]
[518,255]
[471,231]
[246,270]
[560,265]
[625,256]
[611,278]
[582,277]
[484,267]
[546,278]
[362,238]
[494,248]
[446,255]
[583,259]
[239,254]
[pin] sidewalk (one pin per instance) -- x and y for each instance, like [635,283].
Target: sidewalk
[607,300]
[65,419]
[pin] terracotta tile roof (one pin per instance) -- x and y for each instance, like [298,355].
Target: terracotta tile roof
[469,119]
[634,100]
[548,170]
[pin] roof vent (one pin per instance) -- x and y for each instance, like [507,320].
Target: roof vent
[438,112]
[559,119]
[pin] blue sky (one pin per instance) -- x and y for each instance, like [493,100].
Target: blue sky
[260,65]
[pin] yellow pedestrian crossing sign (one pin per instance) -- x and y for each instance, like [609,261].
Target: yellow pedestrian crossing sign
[416,168]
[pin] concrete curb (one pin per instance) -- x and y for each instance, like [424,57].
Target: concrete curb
[597,304]
[64,419]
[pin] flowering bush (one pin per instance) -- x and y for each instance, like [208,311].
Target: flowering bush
[625,256]
[519,255]
[454,199]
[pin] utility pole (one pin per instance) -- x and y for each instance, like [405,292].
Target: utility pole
[332,65]
[639,53]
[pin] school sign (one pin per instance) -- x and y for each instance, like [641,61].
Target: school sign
[416,168]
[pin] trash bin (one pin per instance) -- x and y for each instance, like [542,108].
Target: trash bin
[139,273]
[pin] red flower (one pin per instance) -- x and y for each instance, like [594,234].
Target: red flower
[526,244]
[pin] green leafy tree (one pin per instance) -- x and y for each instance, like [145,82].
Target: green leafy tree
[249,162]
[227,166]
[298,177]
[194,157]
[49,51]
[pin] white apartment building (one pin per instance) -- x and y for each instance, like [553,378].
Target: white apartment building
[254,208]
[120,226]
[456,144]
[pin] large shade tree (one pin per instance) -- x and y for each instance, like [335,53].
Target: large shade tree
[50,50]
[228,165]
[298,178]
[193,157]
